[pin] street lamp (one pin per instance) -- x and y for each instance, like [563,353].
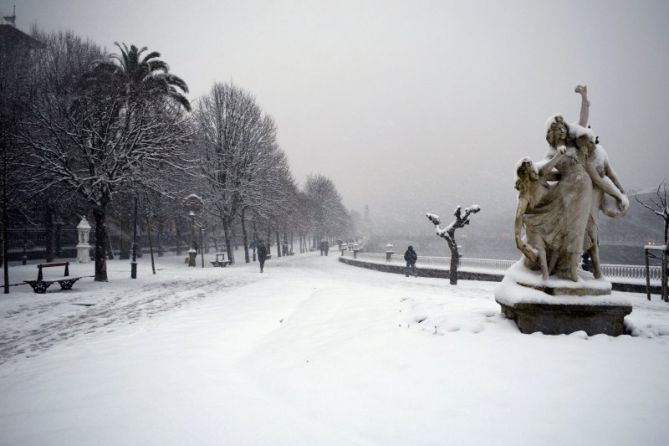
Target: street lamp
[194,205]
[202,244]
[192,252]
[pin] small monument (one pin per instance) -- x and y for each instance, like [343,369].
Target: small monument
[390,250]
[83,247]
[559,200]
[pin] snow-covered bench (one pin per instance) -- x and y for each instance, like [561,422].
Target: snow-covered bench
[222,263]
[40,285]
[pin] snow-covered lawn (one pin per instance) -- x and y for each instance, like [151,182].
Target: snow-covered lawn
[314,352]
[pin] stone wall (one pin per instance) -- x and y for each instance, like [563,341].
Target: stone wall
[469,275]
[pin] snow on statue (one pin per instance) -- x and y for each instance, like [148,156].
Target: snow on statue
[559,199]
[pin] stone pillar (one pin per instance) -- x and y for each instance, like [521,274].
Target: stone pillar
[390,250]
[83,247]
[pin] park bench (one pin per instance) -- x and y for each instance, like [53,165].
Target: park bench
[222,263]
[40,285]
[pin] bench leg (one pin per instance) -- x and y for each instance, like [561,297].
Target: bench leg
[39,286]
[67,284]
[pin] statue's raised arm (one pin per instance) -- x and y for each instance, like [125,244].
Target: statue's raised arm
[585,105]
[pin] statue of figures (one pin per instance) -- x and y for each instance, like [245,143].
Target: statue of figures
[560,219]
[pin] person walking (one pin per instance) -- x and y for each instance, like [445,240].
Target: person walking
[262,254]
[410,257]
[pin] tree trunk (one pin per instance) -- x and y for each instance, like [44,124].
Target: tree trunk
[228,242]
[49,234]
[100,217]
[455,258]
[138,240]
[110,248]
[178,237]
[245,237]
[5,222]
[159,238]
[278,244]
[148,232]
[124,237]
[255,239]
[57,238]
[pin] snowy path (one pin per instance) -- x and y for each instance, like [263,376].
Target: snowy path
[314,352]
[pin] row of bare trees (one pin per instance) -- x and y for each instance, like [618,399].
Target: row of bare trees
[86,132]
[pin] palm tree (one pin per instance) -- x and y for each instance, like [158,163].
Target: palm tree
[119,95]
[141,78]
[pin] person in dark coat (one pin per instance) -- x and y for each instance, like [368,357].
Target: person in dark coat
[410,257]
[262,254]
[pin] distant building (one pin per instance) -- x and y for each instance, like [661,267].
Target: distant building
[12,38]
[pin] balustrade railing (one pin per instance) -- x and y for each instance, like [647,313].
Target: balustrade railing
[627,272]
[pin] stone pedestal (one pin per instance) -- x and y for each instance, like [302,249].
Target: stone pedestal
[567,318]
[560,306]
[390,250]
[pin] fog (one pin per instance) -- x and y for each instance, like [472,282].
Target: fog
[413,105]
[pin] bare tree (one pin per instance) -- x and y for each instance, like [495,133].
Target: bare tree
[448,234]
[17,55]
[658,205]
[237,145]
[328,215]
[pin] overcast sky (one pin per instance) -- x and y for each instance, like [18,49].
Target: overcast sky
[419,105]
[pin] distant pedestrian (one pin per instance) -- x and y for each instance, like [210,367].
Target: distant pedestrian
[410,257]
[326,247]
[262,254]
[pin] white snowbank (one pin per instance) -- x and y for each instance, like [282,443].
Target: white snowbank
[314,352]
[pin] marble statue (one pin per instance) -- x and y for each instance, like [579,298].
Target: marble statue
[560,197]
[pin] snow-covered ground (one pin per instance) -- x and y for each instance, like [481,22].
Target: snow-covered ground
[314,352]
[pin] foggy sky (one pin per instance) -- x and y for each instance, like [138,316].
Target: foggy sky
[412,105]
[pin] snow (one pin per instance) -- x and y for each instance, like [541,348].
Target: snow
[510,292]
[576,131]
[518,272]
[551,119]
[434,218]
[314,352]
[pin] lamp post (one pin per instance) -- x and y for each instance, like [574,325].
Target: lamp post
[193,205]
[202,245]
[192,252]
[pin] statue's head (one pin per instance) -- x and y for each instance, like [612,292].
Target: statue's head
[525,174]
[557,131]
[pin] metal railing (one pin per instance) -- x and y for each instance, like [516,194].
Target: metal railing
[626,272]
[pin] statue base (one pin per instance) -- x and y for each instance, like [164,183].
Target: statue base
[83,253]
[559,306]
